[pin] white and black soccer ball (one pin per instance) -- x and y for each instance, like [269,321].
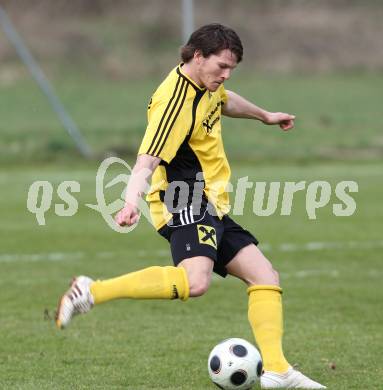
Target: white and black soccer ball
[235,364]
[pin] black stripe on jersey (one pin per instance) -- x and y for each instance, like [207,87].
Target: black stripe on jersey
[164,115]
[196,100]
[173,121]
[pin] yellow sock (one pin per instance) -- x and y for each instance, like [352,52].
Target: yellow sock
[149,283]
[266,319]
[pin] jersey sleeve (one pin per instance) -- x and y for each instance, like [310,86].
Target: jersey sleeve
[169,121]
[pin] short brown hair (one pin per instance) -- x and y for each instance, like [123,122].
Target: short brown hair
[211,39]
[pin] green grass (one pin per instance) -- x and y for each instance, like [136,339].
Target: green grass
[332,297]
[336,117]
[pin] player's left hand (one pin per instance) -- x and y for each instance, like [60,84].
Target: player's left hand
[285,121]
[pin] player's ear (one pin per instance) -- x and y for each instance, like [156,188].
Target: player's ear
[198,56]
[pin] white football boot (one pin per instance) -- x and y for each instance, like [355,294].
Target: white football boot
[292,379]
[77,300]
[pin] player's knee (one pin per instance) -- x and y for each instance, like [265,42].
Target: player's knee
[267,276]
[270,277]
[276,277]
[199,285]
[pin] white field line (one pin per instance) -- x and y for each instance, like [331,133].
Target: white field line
[163,253]
[32,257]
[302,274]
[322,245]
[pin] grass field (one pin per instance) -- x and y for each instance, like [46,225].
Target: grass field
[330,267]
[331,272]
[336,117]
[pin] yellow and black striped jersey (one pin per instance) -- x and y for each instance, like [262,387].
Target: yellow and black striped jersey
[184,130]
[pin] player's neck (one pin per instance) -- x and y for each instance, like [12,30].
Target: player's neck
[190,71]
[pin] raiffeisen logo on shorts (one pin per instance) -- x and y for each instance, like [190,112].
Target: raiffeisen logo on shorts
[267,198]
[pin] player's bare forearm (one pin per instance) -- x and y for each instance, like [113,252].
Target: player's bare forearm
[140,177]
[238,107]
[138,183]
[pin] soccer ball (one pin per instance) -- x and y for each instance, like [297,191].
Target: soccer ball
[235,364]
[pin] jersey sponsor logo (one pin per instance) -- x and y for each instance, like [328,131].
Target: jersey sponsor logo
[209,126]
[207,235]
[209,122]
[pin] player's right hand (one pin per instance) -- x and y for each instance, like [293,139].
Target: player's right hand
[128,215]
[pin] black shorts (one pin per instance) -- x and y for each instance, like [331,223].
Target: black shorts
[218,239]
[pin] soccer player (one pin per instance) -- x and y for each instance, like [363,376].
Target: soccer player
[183,155]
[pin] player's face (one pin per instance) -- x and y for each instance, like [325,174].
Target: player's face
[216,69]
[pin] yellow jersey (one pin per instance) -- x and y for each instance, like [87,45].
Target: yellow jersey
[184,130]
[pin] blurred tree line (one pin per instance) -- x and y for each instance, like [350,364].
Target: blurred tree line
[137,38]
